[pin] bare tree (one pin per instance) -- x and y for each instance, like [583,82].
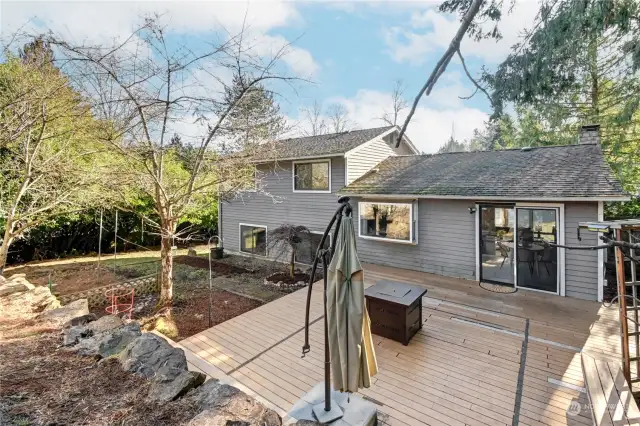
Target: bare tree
[288,239]
[313,116]
[398,104]
[149,89]
[338,119]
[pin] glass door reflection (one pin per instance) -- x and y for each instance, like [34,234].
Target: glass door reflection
[497,225]
[537,263]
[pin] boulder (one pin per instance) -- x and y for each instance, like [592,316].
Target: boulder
[165,388]
[223,405]
[108,343]
[72,335]
[17,285]
[192,252]
[150,354]
[67,312]
[81,320]
[2,279]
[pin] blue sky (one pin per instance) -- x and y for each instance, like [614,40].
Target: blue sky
[352,51]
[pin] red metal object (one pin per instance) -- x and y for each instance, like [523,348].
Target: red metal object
[120,301]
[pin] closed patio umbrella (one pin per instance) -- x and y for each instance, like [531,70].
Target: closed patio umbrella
[353,360]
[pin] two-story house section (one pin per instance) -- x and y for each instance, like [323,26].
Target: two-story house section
[300,188]
[484,215]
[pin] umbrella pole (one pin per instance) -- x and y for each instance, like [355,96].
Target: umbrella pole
[325,256]
[327,354]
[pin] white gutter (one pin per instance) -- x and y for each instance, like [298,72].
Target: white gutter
[482,197]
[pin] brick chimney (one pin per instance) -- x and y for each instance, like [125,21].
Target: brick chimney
[589,133]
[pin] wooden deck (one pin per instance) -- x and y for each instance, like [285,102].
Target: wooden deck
[481,358]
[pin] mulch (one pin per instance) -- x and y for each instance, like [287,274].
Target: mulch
[43,385]
[190,313]
[286,278]
[219,268]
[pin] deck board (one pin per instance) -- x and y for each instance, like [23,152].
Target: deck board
[461,368]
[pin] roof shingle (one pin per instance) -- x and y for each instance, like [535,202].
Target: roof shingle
[570,171]
[330,144]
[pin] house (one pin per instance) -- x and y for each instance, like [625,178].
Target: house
[474,215]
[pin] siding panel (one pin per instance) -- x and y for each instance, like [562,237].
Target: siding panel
[369,155]
[581,276]
[446,241]
[279,204]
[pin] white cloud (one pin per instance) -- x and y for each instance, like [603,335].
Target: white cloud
[429,128]
[106,21]
[299,60]
[432,31]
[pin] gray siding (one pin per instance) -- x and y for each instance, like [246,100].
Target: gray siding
[581,276]
[281,205]
[367,156]
[446,241]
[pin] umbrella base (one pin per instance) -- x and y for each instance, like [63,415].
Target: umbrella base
[327,416]
[355,410]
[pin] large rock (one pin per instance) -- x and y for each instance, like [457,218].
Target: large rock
[108,343]
[153,357]
[73,334]
[81,320]
[150,354]
[67,312]
[224,405]
[165,388]
[15,284]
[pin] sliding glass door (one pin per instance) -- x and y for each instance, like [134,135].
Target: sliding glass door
[537,262]
[497,226]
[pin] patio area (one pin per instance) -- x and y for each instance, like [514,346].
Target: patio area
[481,358]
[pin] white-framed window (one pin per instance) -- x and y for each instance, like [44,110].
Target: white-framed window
[312,176]
[386,221]
[306,252]
[253,239]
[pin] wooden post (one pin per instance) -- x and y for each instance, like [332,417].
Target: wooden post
[622,303]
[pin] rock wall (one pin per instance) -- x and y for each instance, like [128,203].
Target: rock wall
[144,354]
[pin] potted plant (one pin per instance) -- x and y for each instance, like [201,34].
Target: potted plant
[217,250]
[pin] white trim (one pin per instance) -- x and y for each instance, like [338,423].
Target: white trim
[311,191]
[561,251]
[346,172]
[391,240]
[381,137]
[266,239]
[482,199]
[600,257]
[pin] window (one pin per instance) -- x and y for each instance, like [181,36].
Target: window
[253,239]
[312,176]
[387,221]
[306,252]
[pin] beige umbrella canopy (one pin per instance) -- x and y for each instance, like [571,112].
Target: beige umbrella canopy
[353,360]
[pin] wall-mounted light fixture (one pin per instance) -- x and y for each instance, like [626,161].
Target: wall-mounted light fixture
[472,210]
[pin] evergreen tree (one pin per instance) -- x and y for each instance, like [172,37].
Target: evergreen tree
[256,118]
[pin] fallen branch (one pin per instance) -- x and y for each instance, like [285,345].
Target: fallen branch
[442,64]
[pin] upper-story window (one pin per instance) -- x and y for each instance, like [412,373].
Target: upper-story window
[312,176]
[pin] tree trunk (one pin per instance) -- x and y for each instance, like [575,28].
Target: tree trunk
[292,264]
[166,274]
[6,242]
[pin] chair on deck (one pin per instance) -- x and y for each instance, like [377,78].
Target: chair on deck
[526,256]
[549,256]
[504,252]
